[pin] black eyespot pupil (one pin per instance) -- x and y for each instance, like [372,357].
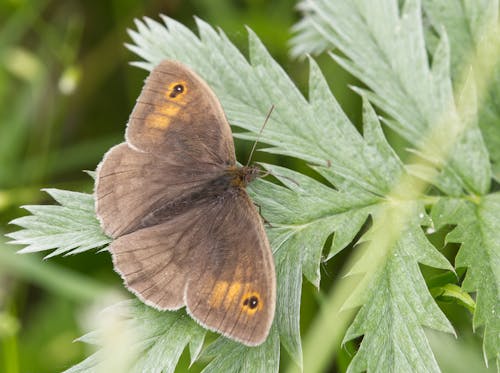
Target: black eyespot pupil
[251,302]
[178,89]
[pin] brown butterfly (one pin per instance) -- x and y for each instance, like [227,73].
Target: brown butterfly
[172,197]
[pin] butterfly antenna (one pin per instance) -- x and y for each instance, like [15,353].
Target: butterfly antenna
[259,135]
[264,173]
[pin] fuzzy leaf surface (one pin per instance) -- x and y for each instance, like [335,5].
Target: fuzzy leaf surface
[69,228]
[478,230]
[384,47]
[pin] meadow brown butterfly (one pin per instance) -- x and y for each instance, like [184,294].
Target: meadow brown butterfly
[174,201]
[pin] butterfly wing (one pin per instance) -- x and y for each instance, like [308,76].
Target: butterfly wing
[234,293]
[130,184]
[215,259]
[177,139]
[178,116]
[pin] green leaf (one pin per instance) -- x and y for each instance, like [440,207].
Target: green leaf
[478,227]
[384,47]
[397,304]
[229,356]
[69,228]
[472,28]
[298,243]
[455,293]
[305,214]
[137,338]
[247,91]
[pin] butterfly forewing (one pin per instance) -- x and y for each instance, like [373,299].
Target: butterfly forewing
[130,184]
[186,124]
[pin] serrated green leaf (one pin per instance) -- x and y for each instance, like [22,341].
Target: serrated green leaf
[319,133]
[385,48]
[229,356]
[68,228]
[137,338]
[478,230]
[247,91]
[298,243]
[396,303]
[470,26]
[73,200]
[306,213]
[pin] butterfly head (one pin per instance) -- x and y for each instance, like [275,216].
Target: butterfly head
[242,176]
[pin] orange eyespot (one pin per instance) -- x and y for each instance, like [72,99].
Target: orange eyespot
[177,89]
[251,303]
[228,294]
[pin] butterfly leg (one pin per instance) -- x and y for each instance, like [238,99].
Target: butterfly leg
[267,222]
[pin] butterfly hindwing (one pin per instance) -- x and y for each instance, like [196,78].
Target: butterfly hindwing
[235,293]
[214,259]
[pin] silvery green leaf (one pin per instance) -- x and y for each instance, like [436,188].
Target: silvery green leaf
[397,305]
[137,338]
[384,47]
[68,228]
[477,229]
[229,356]
[468,24]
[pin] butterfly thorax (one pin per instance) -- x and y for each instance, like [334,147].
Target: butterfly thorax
[242,176]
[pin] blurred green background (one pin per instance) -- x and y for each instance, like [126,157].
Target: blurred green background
[66,90]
